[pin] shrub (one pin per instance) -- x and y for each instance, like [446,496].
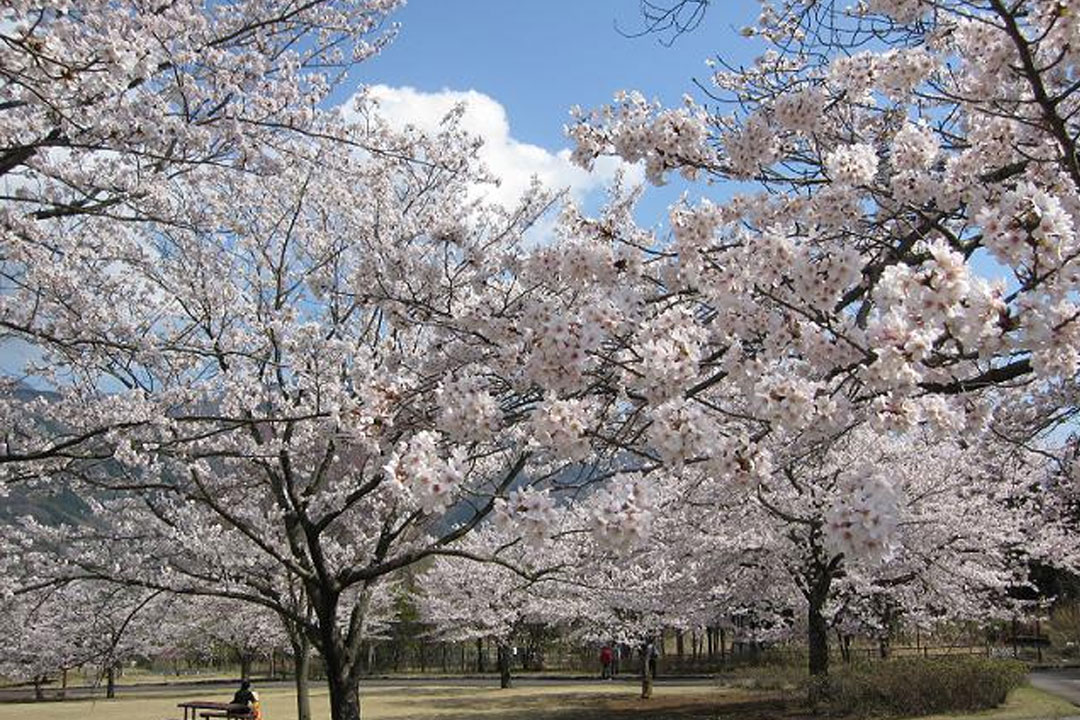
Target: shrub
[922,686]
[785,677]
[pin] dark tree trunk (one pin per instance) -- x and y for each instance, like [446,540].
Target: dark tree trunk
[504,666]
[819,579]
[679,647]
[723,652]
[110,681]
[39,692]
[818,583]
[344,695]
[301,675]
[646,674]
[480,655]
[818,637]
[245,666]
[341,658]
[63,684]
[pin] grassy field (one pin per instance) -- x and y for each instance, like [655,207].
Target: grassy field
[572,701]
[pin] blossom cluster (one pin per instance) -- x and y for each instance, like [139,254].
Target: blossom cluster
[528,511]
[467,411]
[862,521]
[418,469]
[665,139]
[622,513]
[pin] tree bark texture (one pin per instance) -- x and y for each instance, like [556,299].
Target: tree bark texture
[301,675]
[504,666]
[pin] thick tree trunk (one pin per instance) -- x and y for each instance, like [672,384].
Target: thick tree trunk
[63,684]
[818,583]
[817,637]
[504,666]
[342,661]
[110,682]
[245,666]
[39,692]
[344,696]
[301,675]
[479,655]
[679,644]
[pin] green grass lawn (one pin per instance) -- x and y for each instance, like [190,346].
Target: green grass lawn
[1023,703]
[572,701]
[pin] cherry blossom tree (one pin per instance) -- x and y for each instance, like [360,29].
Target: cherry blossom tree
[948,531]
[249,632]
[464,600]
[286,353]
[63,627]
[903,256]
[289,354]
[904,249]
[611,566]
[112,114]
[43,642]
[312,423]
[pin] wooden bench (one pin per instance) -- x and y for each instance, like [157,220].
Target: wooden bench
[213,709]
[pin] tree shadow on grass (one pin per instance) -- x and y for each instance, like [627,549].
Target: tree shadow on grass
[586,706]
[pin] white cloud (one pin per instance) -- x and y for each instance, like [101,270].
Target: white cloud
[514,162]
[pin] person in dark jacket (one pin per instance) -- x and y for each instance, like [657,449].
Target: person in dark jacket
[245,702]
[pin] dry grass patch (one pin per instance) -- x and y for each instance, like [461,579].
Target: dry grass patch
[571,701]
[561,702]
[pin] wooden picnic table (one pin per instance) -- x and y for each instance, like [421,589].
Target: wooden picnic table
[212,709]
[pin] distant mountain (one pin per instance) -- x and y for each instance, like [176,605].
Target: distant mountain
[51,507]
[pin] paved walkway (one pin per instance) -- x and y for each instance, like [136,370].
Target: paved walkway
[1063,683]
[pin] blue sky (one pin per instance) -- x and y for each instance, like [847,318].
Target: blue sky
[538,58]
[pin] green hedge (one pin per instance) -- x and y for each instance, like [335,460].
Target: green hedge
[922,686]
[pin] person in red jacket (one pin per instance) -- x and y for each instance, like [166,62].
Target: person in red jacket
[606,658]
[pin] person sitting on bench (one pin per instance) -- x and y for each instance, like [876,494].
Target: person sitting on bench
[245,702]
